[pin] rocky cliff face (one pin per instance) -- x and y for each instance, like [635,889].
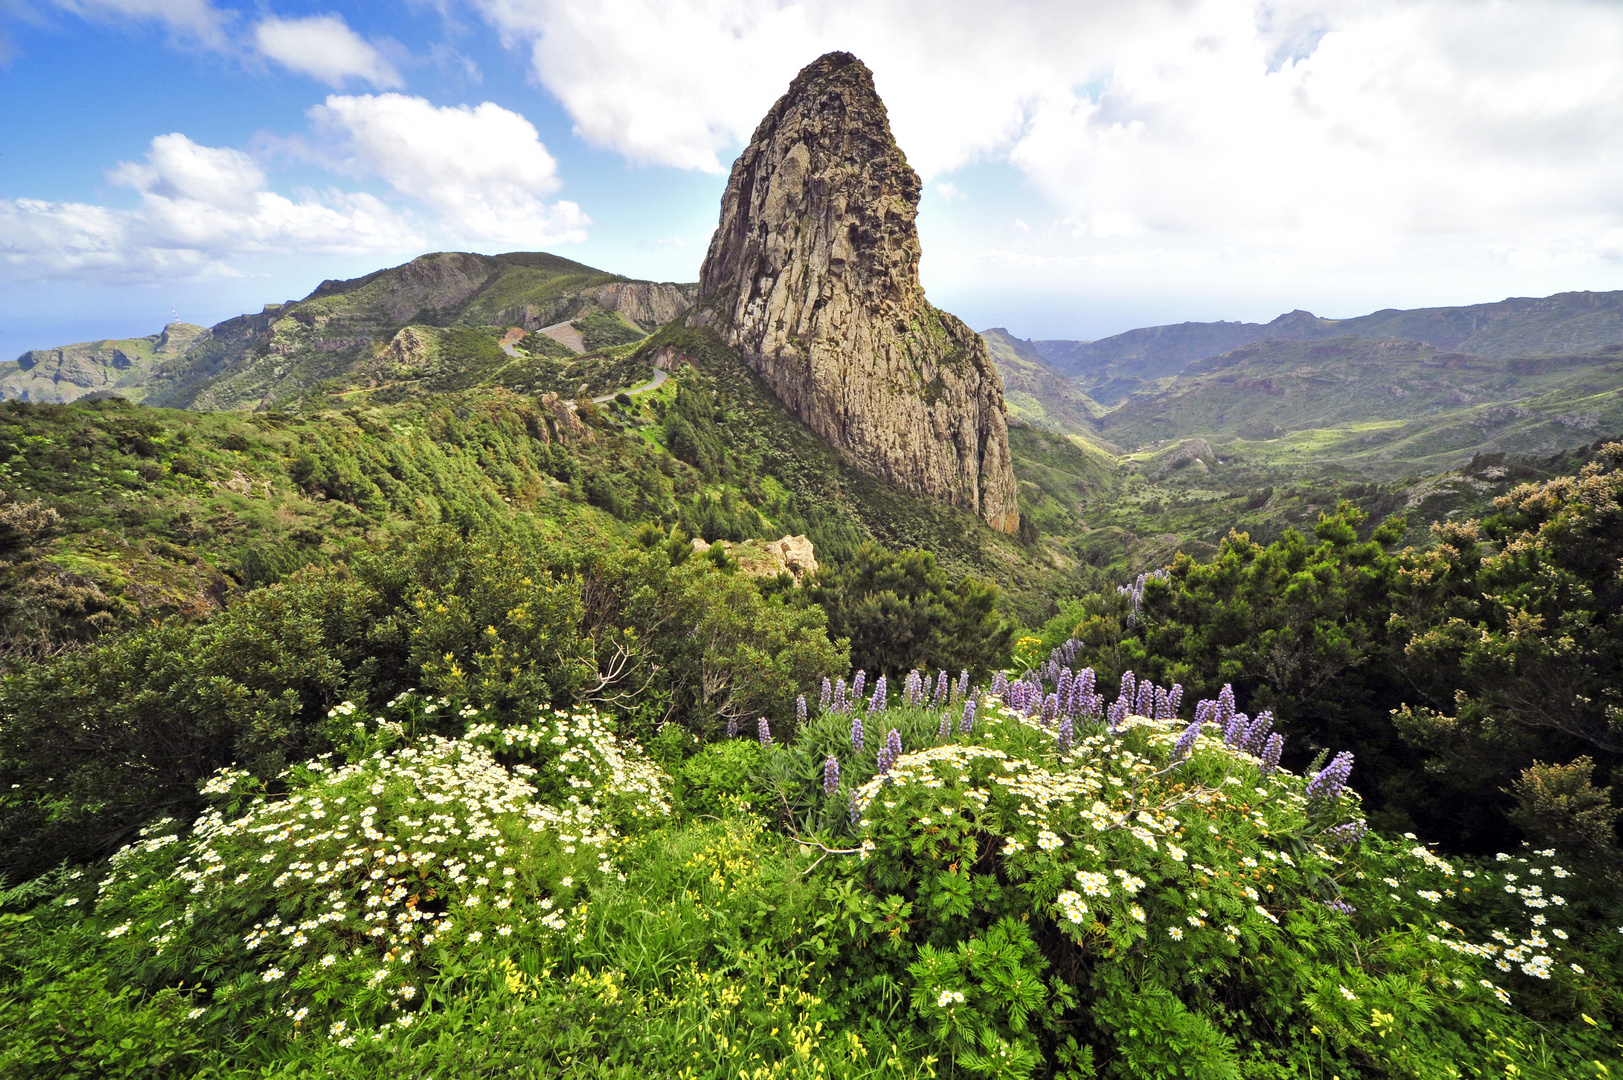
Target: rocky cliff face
[813,276]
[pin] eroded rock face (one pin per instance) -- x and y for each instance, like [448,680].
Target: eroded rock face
[813,276]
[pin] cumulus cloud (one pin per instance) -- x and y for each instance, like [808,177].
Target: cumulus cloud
[200,208]
[194,20]
[483,170]
[325,48]
[1255,134]
[464,176]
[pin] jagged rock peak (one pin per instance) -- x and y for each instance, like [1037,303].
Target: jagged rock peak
[813,275]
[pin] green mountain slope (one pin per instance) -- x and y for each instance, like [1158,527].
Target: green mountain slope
[1387,406]
[120,366]
[348,334]
[1034,391]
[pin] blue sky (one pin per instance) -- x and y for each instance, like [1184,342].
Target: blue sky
[1089,166]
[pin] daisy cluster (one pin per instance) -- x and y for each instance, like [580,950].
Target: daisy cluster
[578,753]
[1135,840]
[347,894]
[1514,918]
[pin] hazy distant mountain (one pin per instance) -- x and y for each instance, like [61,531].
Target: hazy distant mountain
[1384,400]
[1564,324]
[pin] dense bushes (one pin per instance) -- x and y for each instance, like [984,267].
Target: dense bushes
[1492,652]
[949,884]
[900,611]
[96,742]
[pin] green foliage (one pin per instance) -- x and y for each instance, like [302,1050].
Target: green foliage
[900,611]
[95,742]
[601,329]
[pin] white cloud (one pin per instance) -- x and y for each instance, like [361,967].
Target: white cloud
[325,48]
[1420,139]
[469,177]
[201,208]
[482,170]
[196,20]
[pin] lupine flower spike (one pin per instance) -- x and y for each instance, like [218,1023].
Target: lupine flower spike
[732,727]
[1271,752]
[826,696]
[1331,779]
[800,709]
[831,775]
[967,725]
[946,725]
[880,694]
[858,683]
[763,732]
[1186,741]
[856,731]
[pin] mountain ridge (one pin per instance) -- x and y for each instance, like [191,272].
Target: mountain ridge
[1109,369]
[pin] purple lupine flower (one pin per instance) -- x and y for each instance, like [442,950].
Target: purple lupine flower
[800,709]
[1186,741]
[1236,729]
[831,774]
[1050,709]
[855,812]
[732,727]
[940,688]
[889,752]
[1065,733]
[839,695]
[1342,835]
[1330,779]
[1128,686]
[968,723]
[858,683]
[1204,709]
[946,725]
[1071,646]
[1340,907]
[1088,680]
[1225,705]
[911,692]
[1000,685]
[763,732]
[1145,703]
[1256,736]
[856,731]
[880,694]
[963,683]
[1175,698]
[1118,713]
[1063,685]
[825,697]
[1271,752]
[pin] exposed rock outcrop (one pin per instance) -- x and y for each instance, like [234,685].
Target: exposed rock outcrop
[813,275]
[768,558]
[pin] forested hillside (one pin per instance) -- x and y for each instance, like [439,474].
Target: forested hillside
[423,699]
